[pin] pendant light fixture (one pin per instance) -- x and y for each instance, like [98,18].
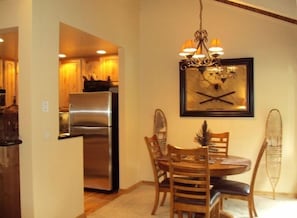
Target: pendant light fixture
[196,53]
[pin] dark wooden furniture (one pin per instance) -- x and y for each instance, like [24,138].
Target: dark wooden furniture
[190,183]
[219,143]
[9,180]
[240,190]
[218,166]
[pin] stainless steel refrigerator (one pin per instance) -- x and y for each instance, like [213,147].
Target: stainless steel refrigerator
[94,115]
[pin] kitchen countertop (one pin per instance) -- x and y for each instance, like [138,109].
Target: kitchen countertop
[10,142]
[67,136]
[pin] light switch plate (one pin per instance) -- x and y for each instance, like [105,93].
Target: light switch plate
[44,106]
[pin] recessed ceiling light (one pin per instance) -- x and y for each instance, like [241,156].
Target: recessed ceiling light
[62,56]
[101,52]
[1,40]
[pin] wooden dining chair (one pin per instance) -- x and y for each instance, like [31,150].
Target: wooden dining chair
[240,190]
[190,184]
[161,180]
[219,143]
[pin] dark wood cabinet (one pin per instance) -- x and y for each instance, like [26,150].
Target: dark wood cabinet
[9,182]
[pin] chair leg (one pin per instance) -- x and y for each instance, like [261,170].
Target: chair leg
[172,212]
[221,202]
[163,198]
[254,207]
[180,214]
[250,205]
[157,193]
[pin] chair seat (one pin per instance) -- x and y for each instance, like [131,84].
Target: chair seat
[165,183]
[214,195]
[231,187]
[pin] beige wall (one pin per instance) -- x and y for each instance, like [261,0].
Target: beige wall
[164,27]
[51,170]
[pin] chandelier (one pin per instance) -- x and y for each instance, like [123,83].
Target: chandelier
[196,53]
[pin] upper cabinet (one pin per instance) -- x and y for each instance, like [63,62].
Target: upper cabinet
[73,72]
[8,80]
[70,80]
[9,66]
[104,68]
[109,66]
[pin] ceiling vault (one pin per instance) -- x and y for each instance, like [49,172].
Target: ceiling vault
[259,11]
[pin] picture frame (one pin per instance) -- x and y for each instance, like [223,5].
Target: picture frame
[226,90]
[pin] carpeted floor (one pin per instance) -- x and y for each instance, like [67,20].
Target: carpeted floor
[138,204]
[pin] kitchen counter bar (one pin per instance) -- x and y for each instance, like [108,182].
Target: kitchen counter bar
[67,136]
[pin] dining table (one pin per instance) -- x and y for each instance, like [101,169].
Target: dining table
[219,166]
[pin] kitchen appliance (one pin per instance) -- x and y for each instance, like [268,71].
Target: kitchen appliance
[94,115]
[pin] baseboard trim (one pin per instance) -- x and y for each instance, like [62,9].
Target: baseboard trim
[260,193]
[131,188]
[277,194]
[82,216]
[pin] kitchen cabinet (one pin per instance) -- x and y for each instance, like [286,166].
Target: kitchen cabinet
[9,181]
[109,68]
[103,68]
[72,74]
[70,80]
[8,80]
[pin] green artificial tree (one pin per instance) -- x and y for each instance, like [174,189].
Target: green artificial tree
[203,137]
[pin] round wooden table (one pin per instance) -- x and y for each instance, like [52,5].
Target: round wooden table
[219,166]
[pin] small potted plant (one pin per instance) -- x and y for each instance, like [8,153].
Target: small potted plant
[203,137]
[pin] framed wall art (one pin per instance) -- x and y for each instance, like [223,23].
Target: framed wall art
[226,90]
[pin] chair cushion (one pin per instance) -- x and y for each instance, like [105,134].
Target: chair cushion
[214,195]
[165,183]
[231,187]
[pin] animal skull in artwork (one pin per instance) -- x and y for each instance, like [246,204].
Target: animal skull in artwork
[217,76]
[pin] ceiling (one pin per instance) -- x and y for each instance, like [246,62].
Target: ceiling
[73,42]
[76,43]
[286,8]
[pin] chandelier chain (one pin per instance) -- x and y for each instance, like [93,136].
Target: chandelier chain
[200,55]
[201,8]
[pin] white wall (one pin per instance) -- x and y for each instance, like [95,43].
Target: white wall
[164,27]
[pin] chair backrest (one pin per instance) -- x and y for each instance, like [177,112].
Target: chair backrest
[155,153]
[189,180]
[257,164]
[219,143]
